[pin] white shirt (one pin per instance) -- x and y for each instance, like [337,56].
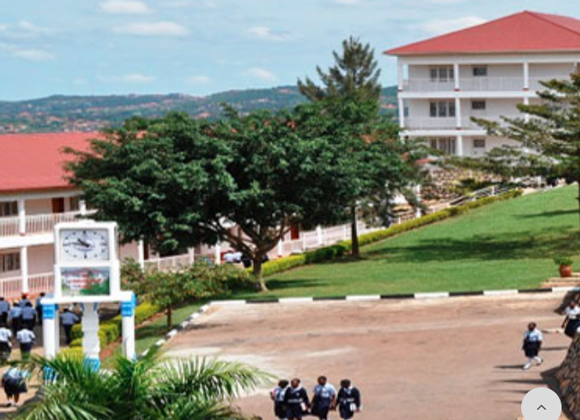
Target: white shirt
[326,391]
[573,313]
[25,336]
[533,336]
[5,335]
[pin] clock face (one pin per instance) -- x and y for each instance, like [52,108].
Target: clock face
[84,245]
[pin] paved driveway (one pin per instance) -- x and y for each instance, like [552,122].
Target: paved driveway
[446,359]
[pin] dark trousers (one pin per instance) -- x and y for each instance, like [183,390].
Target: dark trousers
[16,325]
[29,323]
[25,349]
[68,333]
[4,318]
[39,315]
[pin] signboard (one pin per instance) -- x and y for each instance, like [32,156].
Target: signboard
[85,281]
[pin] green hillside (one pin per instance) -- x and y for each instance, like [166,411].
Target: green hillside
[87,113]
[506,245]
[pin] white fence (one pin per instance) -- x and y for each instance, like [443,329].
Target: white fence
[11,288]
[36,224]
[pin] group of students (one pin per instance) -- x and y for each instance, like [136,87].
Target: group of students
[291,400]
[21,318]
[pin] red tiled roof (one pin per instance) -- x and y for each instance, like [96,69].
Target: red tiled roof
[521,32]
[33,162]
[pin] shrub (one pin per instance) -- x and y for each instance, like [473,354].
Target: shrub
[338,250]
[562,260]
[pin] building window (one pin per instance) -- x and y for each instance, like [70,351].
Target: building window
[478,105]
[441,74]
[9,208]
[442,109]
[444,145]
[9,262]
[479,143]
[74,203]
[480,71]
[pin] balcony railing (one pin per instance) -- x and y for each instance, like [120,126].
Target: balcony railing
[447,123]
[479,84]
[11,288]
[36,224]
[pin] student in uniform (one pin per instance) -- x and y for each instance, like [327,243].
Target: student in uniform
[38,307]
[15,318]
[348,400]
[25,337]
[277,395]
[572,320]
[24,300]
[323,399]
[29,316]
[68,319]
[532,345]
[296,399]
[14,384]
[4,309]
[5,343]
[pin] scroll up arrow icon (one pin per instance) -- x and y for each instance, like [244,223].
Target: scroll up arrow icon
[542,407]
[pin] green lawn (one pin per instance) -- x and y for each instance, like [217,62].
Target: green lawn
[501,246]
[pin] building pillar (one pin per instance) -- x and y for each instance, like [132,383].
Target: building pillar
[400,75]
[319,235]
[91,343]
[456,76]
[141,254]
[83,207]
[218,253]
[459,146]
[24,268]
[458,122]
[21,217]
[280,249]
[526,75]
[418,194]
[128,325]
[526,115]
[401,112]
[191,255]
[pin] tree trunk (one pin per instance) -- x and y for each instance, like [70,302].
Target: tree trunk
[169,312]
[257,263]
[354,234]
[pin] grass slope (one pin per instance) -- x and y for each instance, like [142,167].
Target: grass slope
[501,246]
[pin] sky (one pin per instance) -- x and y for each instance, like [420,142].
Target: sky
[198,47]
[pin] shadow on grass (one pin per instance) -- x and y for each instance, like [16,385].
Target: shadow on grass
[276,284]
[514,245]
[554,213]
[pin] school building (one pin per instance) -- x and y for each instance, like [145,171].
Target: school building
[483,71]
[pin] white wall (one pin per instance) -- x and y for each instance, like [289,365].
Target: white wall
[43,206]
[40,259]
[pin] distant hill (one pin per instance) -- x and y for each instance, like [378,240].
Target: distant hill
[88,113]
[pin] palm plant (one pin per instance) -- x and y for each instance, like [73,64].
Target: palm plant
[148,389]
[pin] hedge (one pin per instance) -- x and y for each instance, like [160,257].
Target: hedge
[333,252]
[111,330]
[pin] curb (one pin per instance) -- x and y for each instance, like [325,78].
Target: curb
[355,298]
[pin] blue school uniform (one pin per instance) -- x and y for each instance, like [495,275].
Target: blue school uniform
[280,407]
[348,401]
[322,401]
[295,399]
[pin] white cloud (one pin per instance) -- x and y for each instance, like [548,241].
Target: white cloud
[3,28]
[162,28]
[125,7]
[439,26]
[199,80]
[179,4]
[33,55]
[32,29]
[446,1]
[137,78]
[263,32]
[348,2]
[262,74]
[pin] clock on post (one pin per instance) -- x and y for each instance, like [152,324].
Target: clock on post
[87,263]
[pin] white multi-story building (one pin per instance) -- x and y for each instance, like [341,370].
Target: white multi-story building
[482,71]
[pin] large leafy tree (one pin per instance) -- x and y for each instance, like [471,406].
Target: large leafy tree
[378,164]
[547,139]
[150,388]
[176,182]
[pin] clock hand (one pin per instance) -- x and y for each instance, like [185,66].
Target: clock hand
[83,243]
